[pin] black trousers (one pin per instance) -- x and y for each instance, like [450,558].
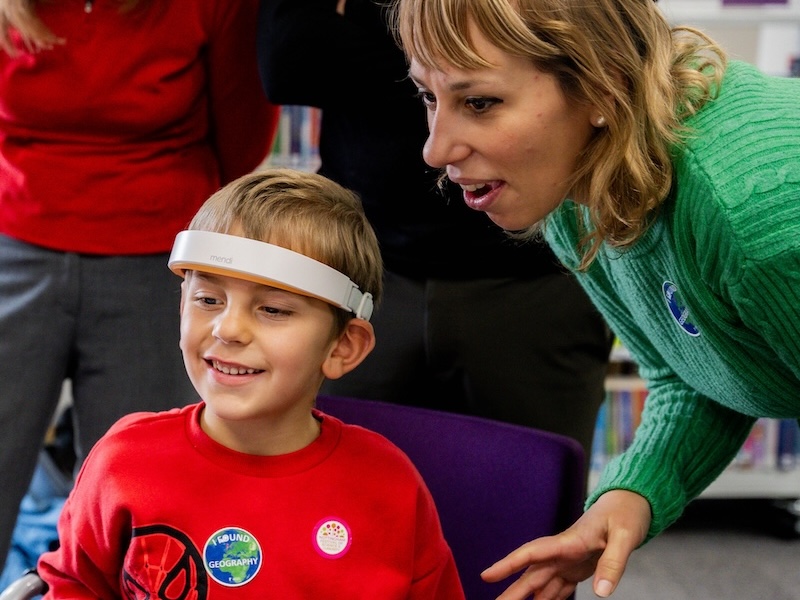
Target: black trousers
[532,352]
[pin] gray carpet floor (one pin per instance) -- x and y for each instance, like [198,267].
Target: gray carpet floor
[719,550]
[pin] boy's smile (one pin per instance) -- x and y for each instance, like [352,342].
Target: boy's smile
[232,369]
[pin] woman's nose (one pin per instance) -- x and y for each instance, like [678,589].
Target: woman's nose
[445,145]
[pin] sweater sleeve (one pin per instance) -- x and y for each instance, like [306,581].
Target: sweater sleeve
[91,527]
[310,55]
[71,572]
[243,121]
[681,446]
[684,441]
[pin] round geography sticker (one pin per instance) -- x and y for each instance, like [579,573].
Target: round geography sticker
[232,556]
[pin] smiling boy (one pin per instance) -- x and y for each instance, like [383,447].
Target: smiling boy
[252,492]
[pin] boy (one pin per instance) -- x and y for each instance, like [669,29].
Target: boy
[251,493]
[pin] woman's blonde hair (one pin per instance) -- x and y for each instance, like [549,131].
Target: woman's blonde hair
[20,16]
[304,212]
[618,55]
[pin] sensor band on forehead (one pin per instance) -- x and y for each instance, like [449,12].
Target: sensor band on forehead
[271,265]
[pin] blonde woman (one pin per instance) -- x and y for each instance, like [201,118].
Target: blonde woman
[668,179]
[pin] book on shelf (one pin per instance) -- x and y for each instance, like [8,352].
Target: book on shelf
[297,140]
[618,418]
[788,444]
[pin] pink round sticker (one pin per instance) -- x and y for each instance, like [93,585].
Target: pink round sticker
[331,537]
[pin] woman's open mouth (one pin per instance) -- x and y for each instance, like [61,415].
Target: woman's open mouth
[479,196]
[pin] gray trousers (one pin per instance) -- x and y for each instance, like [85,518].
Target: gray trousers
[532,352]
[109,324]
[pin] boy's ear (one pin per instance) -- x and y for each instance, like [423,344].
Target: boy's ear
[350,349]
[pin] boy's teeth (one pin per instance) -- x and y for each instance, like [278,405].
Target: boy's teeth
[232,370]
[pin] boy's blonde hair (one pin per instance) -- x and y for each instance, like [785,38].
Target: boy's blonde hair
[619,55]
[303,212]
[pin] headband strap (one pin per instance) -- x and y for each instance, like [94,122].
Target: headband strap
[272,265]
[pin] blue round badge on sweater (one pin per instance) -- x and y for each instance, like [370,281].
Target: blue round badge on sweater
[679,313]
[232,556]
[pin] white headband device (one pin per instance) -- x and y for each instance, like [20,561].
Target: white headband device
[257,261]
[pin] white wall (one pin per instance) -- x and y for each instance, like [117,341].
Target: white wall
[767,35]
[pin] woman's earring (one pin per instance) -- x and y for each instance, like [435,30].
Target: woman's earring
[599,121]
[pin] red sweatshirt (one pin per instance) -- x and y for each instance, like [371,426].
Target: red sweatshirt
[110,142]
[161,511]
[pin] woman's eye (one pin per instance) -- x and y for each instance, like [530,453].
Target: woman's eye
[480,105]
[427,98]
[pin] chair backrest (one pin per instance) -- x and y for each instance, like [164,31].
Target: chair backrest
[496,485]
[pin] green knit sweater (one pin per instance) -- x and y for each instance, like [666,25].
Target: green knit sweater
[708,300]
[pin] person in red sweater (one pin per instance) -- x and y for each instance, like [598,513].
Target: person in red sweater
[118,118]
[253,493]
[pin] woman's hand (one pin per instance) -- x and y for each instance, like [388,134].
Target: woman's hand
[600,542]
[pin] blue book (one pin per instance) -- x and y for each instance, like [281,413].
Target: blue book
[788,440]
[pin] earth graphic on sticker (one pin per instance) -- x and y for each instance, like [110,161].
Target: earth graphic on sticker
[232,556]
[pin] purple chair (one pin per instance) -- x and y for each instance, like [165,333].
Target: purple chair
[496,485]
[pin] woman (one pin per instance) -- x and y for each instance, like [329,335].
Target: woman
[668,179]
[117,120]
